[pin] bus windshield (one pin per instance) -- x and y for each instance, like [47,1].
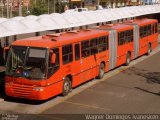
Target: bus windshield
[27,62]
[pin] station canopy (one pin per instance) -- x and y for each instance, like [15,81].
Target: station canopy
[54,21]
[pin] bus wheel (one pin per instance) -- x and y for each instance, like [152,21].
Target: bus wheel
[128,59]
[149,49]
[101,70]
[66,86]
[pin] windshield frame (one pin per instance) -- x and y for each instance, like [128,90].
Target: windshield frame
[8,65]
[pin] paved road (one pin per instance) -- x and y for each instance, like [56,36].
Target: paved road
[133,89]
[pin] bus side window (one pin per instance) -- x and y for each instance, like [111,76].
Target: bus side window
[145,31]
[153,29]
[121,38]
[148,30]
[52,68]
[93,46]
[102,44]
[67,54]
[156,28]
[77,51]
[107,42]
[131,35]
[85,49]
[127,36]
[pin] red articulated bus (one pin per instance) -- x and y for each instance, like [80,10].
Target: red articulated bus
[42,67]
[131,39]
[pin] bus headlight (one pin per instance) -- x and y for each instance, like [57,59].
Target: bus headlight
[38,89]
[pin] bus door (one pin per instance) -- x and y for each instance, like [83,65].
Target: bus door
[77,65]
[144,32]
[136,40]
[86,61]
[112,49]
[94,57]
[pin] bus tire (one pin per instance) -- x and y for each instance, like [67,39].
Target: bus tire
[149,49]
[128,59]
[66,86]
[101,71]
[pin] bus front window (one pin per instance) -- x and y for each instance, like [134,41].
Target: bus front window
[27,62]
[16,60]
[35,67]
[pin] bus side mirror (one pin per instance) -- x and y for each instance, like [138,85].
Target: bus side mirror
[5,51]
[53,58]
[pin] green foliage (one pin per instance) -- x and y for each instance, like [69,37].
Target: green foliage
[60,7]
[39,8]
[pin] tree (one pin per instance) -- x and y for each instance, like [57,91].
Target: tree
[39,8]
[60,6]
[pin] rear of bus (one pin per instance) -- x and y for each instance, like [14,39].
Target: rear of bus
[147,33]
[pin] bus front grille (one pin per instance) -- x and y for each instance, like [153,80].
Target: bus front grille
[22,90]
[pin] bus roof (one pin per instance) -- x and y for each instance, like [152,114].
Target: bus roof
[52,40]
[118,27]
[143,21]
